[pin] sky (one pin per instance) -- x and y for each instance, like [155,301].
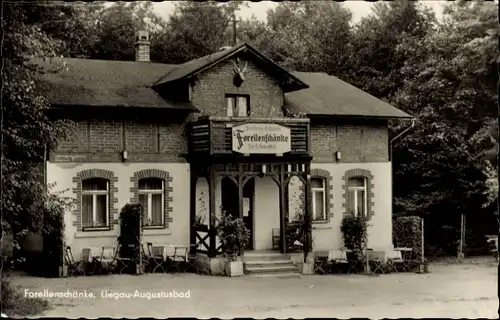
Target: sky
[359,9]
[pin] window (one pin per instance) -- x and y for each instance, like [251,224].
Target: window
[318,198]
[151,193]
[238,105]
[356,197]
[95,203]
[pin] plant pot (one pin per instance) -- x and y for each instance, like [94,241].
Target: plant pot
[306,268]
[234,268]
[421,268]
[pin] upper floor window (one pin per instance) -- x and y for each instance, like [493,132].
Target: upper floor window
[356,197]
[238,105]
[95,203]
[318,198]
[151,196]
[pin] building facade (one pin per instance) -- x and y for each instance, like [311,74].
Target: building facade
[231,130]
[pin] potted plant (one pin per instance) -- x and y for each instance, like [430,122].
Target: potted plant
[304,240]
[131,218]
[354,234]
[233,235]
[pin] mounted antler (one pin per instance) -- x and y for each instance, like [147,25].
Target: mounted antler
[239,72]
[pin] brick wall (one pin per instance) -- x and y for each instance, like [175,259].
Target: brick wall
[209,90]
[358,142]
[104,140]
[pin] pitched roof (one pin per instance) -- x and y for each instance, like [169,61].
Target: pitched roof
[329,96]
[86,82]
[193,67]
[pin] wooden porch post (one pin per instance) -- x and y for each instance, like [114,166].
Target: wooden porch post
[212,179]
[308,213]
[192,205]
[281,186]
[240,198]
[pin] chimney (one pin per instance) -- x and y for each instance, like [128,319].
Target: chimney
[142,46]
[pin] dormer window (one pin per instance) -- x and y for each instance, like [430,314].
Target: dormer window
[238,105]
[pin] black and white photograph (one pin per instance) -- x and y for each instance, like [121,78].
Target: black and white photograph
[257,159]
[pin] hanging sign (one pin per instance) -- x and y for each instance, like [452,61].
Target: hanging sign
[261,138]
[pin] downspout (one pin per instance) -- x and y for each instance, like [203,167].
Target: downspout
[399,135]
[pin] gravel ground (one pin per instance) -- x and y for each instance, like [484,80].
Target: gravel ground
[466,290]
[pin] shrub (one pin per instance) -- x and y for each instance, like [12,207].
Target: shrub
[14,303]
[233,235]
[354,235]
[407,232]
[130,230]
[51,208]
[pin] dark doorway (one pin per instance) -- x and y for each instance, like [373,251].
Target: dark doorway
[230,203]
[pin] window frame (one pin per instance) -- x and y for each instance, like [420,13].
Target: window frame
[355,191]
[314,192]
[149,193]
[94,194]
[234,98]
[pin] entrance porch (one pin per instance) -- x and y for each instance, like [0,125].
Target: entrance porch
[254,190]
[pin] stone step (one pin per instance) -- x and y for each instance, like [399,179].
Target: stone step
[265,256]
[284,275]
[271,269]
[266,263]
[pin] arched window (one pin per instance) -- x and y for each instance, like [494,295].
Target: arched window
[95,203]
[151,196]
[357,196]
[318,191]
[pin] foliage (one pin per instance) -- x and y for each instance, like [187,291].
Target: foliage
[233,234]
[56,205]
[195,29]
[308,36]
[131,216]
[27,130]
[407,232]
[491,184]
[450,87]
[14,303]
[354,234]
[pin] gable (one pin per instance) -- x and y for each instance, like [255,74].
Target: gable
[192,68]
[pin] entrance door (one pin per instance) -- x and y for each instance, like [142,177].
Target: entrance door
[230,203]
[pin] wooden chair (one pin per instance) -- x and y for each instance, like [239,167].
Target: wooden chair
[74,267]
[107,261]
[338,260]
[377,260]
[178,260]
[321,262]
[157,260]
[191,265]
[122,264]
[395,261]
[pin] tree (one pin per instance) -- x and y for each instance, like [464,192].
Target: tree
[27,130]
[308,36]
[450,86]
[117,26]
[194,30]
[375,61]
